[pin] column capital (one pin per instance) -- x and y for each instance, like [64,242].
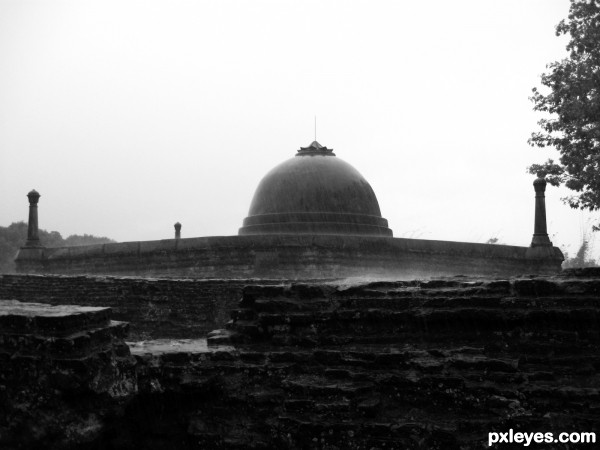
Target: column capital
[539,184]
[34,197]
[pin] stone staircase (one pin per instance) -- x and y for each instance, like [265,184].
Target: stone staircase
[435,364]
[517,312]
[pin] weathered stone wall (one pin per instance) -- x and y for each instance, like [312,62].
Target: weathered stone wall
[293,257]
[63,370]
[395,365]
[155,308]
[386,365]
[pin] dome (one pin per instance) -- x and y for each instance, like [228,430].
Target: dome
[315,193]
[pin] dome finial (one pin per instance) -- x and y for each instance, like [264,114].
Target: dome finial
[315,149]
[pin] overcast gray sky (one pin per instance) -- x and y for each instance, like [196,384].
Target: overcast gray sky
[128,116]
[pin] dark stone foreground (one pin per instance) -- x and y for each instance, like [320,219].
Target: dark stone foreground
[432,365]
[155,308]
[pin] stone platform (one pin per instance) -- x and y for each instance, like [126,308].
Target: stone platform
[292,257]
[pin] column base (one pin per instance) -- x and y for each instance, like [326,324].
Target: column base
[541,240]
[30,260]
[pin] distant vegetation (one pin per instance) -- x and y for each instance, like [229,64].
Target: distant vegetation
[14,236]
[581,259]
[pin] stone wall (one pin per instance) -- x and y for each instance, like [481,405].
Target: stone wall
[391,365]
[292,257]
[434,364]
[63,370]
[155,308]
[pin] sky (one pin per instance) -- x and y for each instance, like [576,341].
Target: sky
[128,116]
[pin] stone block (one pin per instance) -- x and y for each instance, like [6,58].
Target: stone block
[46,320]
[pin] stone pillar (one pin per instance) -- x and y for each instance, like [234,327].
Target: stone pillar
[177,230]
[540,232]
[33,239]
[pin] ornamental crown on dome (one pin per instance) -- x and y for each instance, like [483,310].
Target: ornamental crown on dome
[315,149]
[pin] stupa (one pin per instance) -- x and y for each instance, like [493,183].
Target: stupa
[313,216]
[315,193]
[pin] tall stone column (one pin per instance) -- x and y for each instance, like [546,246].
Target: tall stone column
[177,230]
[540,231]
[33,239]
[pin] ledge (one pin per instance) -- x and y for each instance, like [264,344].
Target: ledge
[278,256]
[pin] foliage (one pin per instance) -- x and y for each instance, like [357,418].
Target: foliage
[581,259]
[572,125]
[14,236]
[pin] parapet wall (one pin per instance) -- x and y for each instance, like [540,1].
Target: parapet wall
[155,308]
[292,257]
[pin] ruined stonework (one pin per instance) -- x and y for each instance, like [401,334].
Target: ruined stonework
[154,307]
[64,371]
[431,365]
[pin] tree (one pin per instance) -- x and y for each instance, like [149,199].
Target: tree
[572,125]
[581,259]
[14,237]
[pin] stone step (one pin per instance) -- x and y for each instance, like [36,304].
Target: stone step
[557,286]
[272,305]
[384,324]
[53,321]
[343,364]
[311,386]
[393,310]
[523,287]
[392,302]
[488,302]
[73,345]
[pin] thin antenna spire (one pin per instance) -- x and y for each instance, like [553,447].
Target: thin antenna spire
[315,127]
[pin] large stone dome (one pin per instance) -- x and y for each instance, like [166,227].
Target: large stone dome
[317,193]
